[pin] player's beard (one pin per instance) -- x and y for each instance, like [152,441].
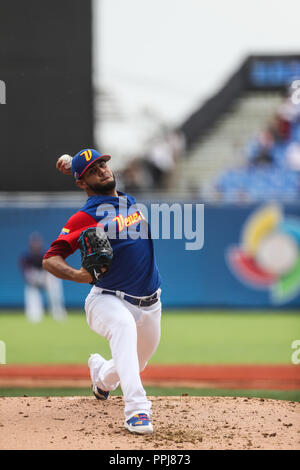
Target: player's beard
[104,189]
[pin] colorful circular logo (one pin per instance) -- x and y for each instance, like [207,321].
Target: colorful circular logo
[268,256]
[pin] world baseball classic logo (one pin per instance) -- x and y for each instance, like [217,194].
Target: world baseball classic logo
[268,256]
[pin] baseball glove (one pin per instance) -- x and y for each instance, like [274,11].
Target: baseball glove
[96,252]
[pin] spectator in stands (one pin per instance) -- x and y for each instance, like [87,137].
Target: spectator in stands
[273,168]
[289,109]
[293,156]
[280,128]
[160,163]
[162,157]
[37,281]
[260,151]
[135,177]
[154,169]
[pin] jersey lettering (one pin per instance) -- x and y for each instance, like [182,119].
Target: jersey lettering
[129,220]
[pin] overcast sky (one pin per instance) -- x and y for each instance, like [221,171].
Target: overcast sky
[172,54]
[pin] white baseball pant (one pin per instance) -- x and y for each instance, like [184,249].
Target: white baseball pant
[133,333]
[33,299]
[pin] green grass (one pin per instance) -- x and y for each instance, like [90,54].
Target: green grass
[291,395]
[204,337]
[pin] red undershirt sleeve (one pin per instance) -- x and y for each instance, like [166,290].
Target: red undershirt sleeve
[59,248]
[67,241]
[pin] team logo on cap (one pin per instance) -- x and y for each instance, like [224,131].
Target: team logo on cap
[87,155]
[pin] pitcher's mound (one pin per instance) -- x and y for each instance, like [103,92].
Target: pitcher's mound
[179,423]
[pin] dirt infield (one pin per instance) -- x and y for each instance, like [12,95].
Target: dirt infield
[179,423]
[276,377]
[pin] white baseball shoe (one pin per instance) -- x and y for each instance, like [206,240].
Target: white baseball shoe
[140,424]
[99,394]
[95,362]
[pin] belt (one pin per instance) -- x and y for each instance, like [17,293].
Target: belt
[140,302]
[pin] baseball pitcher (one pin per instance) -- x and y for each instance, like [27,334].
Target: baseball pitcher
[124,303]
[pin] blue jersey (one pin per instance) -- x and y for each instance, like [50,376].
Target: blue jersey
[133,269]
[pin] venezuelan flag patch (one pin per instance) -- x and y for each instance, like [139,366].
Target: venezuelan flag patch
[65,231]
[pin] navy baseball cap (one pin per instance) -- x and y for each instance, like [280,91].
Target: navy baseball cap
[84,159]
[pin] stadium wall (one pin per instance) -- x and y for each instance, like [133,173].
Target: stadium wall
[189,278]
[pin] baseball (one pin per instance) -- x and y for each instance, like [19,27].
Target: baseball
[67,160]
